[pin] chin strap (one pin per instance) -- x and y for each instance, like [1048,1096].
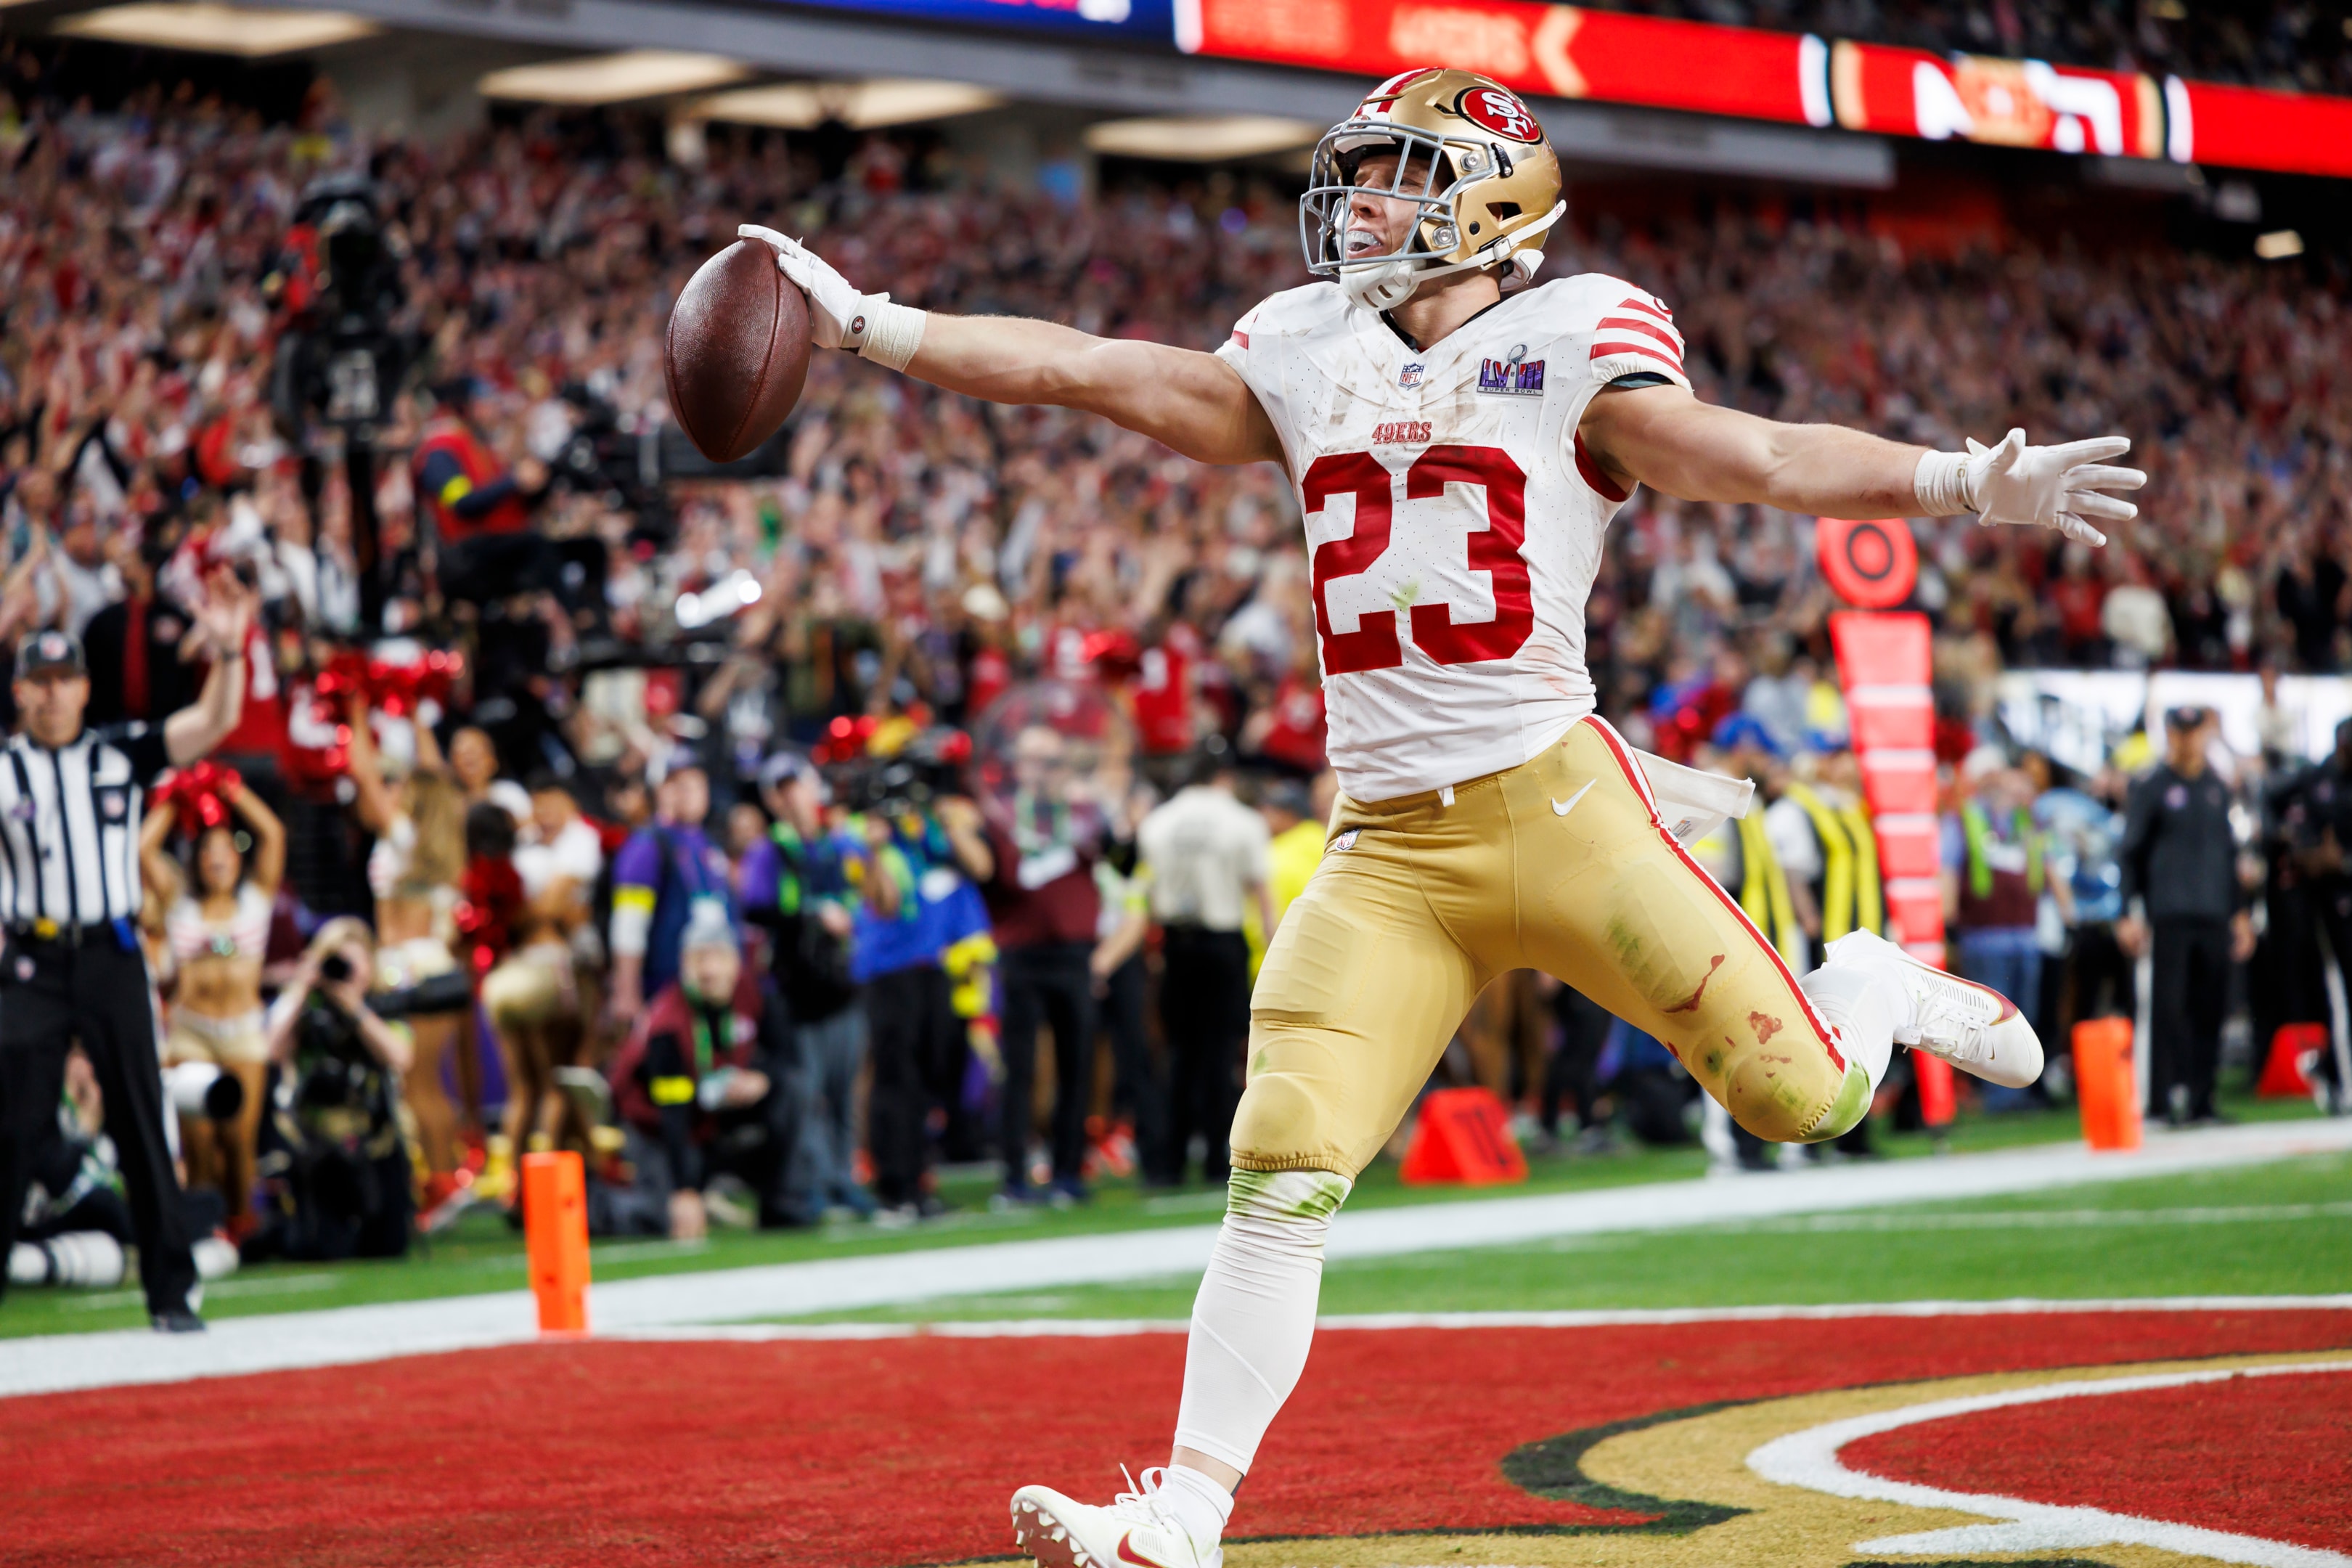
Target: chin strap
[1386,286]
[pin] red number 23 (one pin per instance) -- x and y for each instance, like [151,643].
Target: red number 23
[1494,549]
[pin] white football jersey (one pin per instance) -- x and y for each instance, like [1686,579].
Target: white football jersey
[1453,524]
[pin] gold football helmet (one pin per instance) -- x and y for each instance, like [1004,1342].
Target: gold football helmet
[1469,155]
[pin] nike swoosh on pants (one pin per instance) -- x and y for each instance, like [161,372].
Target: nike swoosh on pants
[1563,807]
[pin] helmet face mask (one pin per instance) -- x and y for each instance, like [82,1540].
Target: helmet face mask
[1468,160]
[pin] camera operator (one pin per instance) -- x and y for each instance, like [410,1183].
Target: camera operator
[707,1085]
[73,967]
[333,1162]
[481,512]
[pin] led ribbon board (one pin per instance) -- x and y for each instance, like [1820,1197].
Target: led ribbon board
[1564,51]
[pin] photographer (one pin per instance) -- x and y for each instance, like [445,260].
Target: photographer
[707,1085]
[333,1164]
[480,511]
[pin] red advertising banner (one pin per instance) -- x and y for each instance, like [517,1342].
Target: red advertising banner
[2252,128]
[2013,103]
[1567,51]
[1560,50]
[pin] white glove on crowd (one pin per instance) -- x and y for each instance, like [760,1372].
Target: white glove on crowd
[2048,487]
[839,316]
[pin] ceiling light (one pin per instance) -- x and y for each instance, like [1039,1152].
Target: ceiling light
[860,105]
[2278,245]
[611,79]
[1201,139]
[219,29]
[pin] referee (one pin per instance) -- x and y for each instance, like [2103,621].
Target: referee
[71,968]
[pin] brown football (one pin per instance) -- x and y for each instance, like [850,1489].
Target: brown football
[738,351]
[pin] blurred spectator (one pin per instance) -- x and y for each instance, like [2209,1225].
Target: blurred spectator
[2187,912]
[908,959]
[133,645]
[2081,830]
[1995,872]
[1122,990]
[1043,900]
[1206,861]
[562,854]
[660,875]
[799,884]
[707,1090]
[1296,817]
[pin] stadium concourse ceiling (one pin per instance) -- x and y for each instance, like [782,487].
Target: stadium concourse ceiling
[900,61]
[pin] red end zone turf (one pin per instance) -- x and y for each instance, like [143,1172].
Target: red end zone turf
[2250,1455]
[871,1453]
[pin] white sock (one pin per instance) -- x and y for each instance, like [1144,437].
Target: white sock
[1863,1005]
[1255,1316]
[1199,1504]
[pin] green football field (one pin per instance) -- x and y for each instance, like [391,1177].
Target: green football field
[2283,1228]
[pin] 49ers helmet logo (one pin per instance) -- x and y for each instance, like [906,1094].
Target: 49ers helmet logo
[1492,109]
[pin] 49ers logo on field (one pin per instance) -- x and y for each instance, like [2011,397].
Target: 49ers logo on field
[1492,109]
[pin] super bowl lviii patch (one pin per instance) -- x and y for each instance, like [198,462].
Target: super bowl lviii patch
[1513,375]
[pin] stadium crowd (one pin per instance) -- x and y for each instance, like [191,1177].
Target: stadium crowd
[743,832]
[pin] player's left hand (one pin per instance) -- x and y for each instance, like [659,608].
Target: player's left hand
[837,312]
[2051,487]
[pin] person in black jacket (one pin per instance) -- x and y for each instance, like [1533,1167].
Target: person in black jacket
[132,645]
[2179,860]
[2310,897]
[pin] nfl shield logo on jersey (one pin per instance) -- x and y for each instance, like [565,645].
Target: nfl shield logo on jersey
[1513,375]
[1408,377]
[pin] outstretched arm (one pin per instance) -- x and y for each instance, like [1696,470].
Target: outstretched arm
[1192,401]
[1666,438]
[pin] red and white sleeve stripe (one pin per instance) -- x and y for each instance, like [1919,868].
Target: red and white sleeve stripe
[1640,325]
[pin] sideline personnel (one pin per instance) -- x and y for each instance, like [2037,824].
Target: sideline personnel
[72,969]
[2180,859]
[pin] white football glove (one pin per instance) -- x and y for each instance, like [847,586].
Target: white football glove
[2047,487]
[839,316]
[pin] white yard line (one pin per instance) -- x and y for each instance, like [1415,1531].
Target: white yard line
[343,1335]
[1654,1317]
[1810,1459]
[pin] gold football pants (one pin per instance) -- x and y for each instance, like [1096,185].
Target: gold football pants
[1559,864]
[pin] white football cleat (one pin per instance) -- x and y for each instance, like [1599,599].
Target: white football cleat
[1973,1026]
[1136,1531]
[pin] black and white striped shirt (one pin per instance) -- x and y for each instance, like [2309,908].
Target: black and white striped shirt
[69,825]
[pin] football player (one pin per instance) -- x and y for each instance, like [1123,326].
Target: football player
[1458,451]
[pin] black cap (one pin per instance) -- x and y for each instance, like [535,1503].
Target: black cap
[2187,716]
[49,652]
